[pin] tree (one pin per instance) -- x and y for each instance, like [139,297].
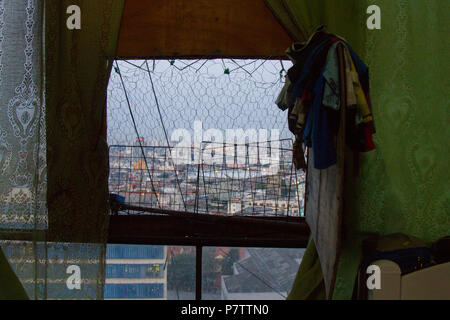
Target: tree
[210,270]
[181,272]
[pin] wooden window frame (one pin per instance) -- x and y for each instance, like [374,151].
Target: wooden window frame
[178,228]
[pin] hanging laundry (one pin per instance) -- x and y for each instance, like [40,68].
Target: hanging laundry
[331,94]
[313,92]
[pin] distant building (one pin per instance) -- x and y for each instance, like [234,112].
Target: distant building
[264,207]
[170,198]
[234,206]
[137,152]
[135,272]
[256,211]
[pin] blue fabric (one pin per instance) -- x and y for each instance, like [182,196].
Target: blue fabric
[319,130]
[317,133]
[299,86]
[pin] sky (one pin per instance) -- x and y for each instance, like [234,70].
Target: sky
[222,94]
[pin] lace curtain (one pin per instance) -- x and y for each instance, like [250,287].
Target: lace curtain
[22,121]
[54,123]
[23,213]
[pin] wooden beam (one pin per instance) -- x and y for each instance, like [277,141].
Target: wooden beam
[194,230]
[207,230]
[285,221]
[200,28]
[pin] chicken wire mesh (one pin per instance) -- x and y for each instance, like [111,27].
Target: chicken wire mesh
[195,136]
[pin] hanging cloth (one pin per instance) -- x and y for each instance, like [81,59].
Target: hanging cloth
[312,96]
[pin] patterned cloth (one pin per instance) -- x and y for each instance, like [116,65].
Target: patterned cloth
[313,99]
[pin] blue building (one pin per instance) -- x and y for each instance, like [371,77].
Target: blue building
[135,272]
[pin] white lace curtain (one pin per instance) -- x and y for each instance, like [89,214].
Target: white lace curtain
[42,266]
[22,139]
[22,121]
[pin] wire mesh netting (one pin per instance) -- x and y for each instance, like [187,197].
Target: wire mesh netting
[202,136]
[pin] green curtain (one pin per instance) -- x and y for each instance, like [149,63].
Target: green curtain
[289,19]
[402,186]
[308,284]
[11,287]
[304,16]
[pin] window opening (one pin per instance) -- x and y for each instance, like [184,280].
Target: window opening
[203,137]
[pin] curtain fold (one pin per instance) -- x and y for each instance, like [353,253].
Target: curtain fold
[78,64]
[302,17]
[11,288]
[288,19]
[308,284]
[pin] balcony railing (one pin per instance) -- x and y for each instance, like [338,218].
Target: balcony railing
[221,179]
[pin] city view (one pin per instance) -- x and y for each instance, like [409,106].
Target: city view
[228,189]
[145,173]
[147,177]
[168,272]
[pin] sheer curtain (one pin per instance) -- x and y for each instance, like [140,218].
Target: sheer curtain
[22,139]
[50,132]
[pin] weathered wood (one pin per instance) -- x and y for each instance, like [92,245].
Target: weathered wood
[194,229]
[204,231]
[283,221]
[200,28]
